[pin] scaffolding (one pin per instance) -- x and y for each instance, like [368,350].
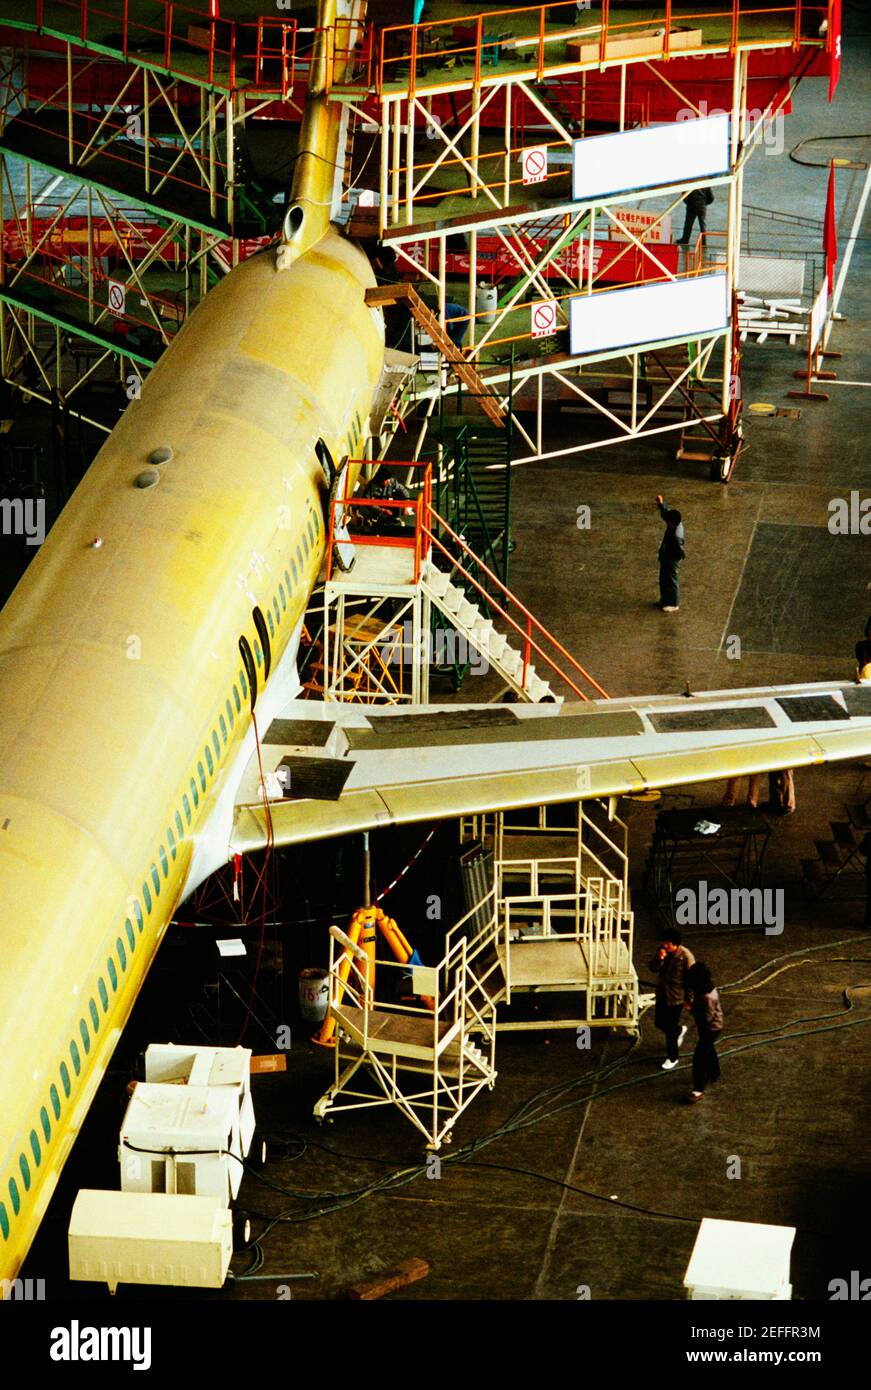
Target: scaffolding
[516,83]
[142,116]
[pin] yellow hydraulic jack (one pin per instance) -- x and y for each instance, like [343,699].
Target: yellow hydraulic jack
[363,930]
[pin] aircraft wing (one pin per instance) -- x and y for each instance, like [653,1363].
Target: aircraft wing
[356,767]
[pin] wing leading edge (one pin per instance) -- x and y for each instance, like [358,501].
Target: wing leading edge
[353,767]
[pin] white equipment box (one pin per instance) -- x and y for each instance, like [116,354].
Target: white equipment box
[207,1066]
[740,1259]
[147,1238]
[180,1139]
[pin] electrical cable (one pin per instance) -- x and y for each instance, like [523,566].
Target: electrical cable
[818,139]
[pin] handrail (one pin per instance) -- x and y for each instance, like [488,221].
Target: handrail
[531,622]
[528,23]
[168,23]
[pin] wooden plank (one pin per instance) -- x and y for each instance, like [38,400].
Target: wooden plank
[408,1272]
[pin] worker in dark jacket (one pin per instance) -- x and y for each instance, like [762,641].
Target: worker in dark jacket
[697,204]
[708,1014]
[672,961]
[671,552]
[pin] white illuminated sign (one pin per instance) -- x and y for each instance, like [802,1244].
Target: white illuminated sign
[648,314]
[680,152]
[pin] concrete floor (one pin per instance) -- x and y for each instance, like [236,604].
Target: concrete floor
[605,1192]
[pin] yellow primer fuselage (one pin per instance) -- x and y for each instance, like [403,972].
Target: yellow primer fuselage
[124,703]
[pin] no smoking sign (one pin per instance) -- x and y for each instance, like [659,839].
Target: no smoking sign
[543,317]
[117,297]
[534,164]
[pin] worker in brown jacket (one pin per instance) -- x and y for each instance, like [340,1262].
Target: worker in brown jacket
[672,961]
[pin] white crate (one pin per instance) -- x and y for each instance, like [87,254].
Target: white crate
[149,1238]
[740,1260]
[208,1066]
[179,1139]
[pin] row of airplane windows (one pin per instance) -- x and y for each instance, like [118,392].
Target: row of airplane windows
[173,840]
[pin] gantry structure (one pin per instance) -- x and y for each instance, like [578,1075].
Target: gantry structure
[170,129]
[476,118]
[127,180]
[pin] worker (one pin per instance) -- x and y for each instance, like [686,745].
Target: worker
[708,1014]
[671,552]
[781,791]
[863,657]
[672,961]
[697,203]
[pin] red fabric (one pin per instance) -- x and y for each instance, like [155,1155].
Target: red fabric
[834,46]
[830,235]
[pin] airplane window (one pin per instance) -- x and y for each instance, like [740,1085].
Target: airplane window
[65,1079]
[216,745]
[281,596]
[77,1061]
[25,1171]
[270,622]
[137,913]
[129,930]
[55,1100]
[86,1037]
[186,807]
[4,1222]
[95,1017]
[194,793]
[164,862]
[179,827]
[34,1146]
[146,894]
[122,958]
[262,633]
[155,879]
[14,1197]
[230,718]
[223,723]
[104,994]
[202,774]
[211,765]
[170,841]
[46,1125]
[112,972]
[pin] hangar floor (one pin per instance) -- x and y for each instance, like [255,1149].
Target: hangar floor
[606,1189]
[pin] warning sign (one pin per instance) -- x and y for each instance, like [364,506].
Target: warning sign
[544,318]
[534,164]
[117,297]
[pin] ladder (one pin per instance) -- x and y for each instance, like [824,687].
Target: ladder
[404,293]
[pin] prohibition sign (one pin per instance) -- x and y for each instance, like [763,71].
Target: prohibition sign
[535,164]
[543,317]
[117,297]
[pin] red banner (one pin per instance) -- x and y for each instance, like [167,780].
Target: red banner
[830,234]
[834,46]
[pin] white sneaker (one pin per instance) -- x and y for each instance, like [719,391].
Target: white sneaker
[669,608]
[681,1035]
[668,1065]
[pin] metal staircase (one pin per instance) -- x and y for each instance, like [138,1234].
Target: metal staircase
[839,868]
[404,293]
[429,1057]
[472,490]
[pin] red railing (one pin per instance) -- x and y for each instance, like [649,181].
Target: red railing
[529,624]
[420,506]
[184,35]
[481,39]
